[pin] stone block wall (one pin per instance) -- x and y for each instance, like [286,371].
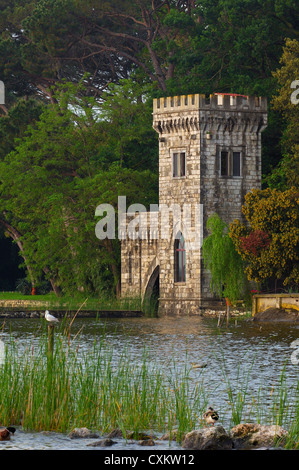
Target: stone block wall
[139,258]
[230,126]
[201,129]
[177,122]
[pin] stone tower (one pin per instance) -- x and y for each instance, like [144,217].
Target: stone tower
[209,158]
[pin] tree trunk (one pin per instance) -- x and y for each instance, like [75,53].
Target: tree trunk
[16,236]
[55,288]
[228,304]
[157,68]
[109,247]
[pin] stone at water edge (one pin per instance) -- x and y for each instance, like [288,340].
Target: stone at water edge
[253,435]
[146,442]
[102,443]
[115,433]
[213,438]
[140,436]
[82,433]
[243,436]
[170,435]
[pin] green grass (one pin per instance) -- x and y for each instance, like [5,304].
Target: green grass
[77,302]
[18,296]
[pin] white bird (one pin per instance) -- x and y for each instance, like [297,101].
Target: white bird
[50,317]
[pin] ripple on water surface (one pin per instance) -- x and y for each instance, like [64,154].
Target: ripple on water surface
[56,441]
[261,350]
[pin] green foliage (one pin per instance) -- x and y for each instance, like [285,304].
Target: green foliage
[65,65]
[23,286]
[13,126]
[57,175]
[235,45]
[286,173]
[276,214]
[180,47]
[126,117]
[223,261]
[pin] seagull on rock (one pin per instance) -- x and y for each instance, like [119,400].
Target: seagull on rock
[50,318]
[211,416]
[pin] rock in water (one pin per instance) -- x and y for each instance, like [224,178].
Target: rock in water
[115,433]
[102,443]
[146,442]
[214,438]
[82,433]
[253,435]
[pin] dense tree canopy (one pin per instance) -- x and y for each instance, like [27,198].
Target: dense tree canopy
[179,45]
[76,127]
[66,164]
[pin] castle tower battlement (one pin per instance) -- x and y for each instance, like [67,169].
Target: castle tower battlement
[187,113]
[209,155]
[220,101]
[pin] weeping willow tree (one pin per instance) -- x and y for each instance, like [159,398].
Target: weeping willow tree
[222,260]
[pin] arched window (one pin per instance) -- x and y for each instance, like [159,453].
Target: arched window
[179,259]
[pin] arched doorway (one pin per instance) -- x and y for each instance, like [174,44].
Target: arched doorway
[150,302]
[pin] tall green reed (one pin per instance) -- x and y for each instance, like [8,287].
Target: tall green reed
[237,390]
[103,388]
[269,404]
[97,387]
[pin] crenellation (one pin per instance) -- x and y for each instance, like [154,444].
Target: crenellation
[221,101]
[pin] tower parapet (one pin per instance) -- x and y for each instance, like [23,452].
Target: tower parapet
[190,112]
[220,101]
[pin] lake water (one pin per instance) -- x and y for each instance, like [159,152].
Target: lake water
[259,351]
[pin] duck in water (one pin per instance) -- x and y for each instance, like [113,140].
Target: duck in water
[5,433]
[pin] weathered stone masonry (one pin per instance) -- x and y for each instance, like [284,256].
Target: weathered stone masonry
[209,154]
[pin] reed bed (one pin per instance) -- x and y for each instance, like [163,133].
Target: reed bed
[98,388]
[103,389]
